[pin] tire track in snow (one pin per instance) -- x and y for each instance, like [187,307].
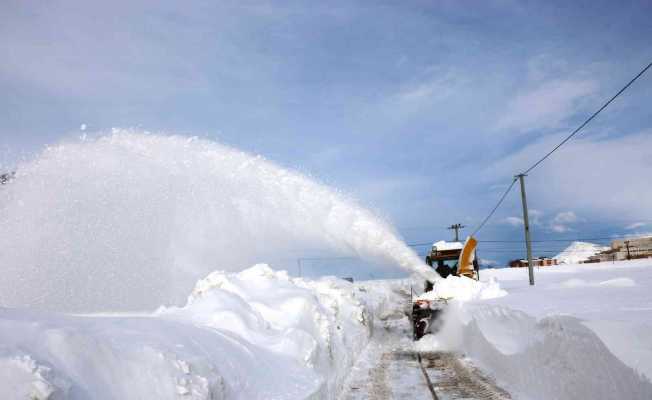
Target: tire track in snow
[451,378]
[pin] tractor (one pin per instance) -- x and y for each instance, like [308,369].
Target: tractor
[447,258]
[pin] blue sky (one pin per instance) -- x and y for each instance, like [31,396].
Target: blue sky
[421,110]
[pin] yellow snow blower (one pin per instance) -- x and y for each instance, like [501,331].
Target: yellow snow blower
[447,258]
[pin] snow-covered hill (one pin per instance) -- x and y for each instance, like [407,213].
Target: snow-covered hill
[578,252]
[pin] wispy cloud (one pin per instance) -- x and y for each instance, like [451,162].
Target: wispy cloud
[636,225]
[534,217]
[436,84]
[562,221]
[594,174]
[514,221]
[545,106]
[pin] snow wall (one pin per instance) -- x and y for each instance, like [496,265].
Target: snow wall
[132,220]
[256,334]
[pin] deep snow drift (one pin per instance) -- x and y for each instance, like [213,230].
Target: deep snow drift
[129,221]
[583,331]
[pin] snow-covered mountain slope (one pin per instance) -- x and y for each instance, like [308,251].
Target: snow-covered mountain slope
[578,252]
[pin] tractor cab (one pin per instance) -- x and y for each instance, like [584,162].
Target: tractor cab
[444,257]
[454,258]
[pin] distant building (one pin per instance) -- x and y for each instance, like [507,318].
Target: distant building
[625,249]
[537,262]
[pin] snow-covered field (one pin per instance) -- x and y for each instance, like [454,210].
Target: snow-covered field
[583,331]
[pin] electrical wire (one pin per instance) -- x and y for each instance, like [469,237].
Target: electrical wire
[559,240]
[595,114]
[605,105]
[536,164]
[502,198]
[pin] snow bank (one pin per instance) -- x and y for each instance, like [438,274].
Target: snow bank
[461,289]
[557,358]
[577,252]
[257,334]
[320,324]
[583,331]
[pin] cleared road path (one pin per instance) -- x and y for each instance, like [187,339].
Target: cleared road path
[389,368]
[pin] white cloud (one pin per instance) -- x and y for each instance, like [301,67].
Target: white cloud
[558,224]
[545,106]
[437,85]
[635,235]
[535,216]
[514,221]
[559,228]
[565,217]
[488,262]
[562,221]
[605,178]
[636,225]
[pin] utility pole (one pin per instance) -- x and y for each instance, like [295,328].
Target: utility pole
[457,228]
[526,224]
[629,257]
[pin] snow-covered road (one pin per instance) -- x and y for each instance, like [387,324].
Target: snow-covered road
[390,367]
[387,368]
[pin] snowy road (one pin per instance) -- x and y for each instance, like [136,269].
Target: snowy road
[452,378]
[390,368]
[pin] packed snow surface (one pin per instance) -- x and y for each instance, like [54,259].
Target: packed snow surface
[583,331]
[577,252]
[130,220]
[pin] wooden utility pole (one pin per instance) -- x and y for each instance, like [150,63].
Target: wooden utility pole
[457,228]
[526,225]
[629,257]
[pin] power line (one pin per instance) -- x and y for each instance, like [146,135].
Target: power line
[502,198]
[575,239]
[557,240]
[561,144]
[589,119]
